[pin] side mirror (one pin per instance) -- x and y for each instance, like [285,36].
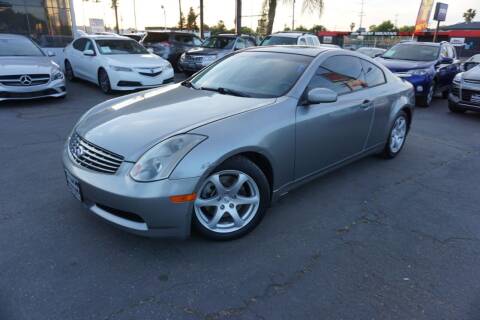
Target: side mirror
[50,53]
[88,52]
[378,55]
[150,50]
[321,95]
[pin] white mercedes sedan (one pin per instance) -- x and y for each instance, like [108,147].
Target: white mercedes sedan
[115,63]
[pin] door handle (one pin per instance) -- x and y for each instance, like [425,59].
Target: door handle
[366,104]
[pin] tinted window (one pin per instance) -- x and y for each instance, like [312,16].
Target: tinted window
[342,74]
[219,42]
[302,42]
[79,44]
[120,47]
[187,39]
[156,37]
[89,46]
[252,74]
[19,47]
[276,40]
[414,52]
[240,44]
[310,41]
[374,76]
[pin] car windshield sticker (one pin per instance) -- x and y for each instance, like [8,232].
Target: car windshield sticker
[106,49]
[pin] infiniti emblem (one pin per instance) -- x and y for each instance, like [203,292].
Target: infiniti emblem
[25,80]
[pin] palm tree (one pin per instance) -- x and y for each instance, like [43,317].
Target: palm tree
[308,6]
[115,8]
[469,15]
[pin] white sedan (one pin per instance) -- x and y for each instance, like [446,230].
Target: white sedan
[115,63]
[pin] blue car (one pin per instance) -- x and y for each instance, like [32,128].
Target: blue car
[430,67]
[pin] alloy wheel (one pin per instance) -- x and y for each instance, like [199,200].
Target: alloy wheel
[431,93]
[398,134]
[228,200]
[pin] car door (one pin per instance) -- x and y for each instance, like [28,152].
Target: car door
[88,64]
[76,55]
[329,133]
[444,69]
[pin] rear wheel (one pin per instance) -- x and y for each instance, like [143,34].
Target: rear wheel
[232,201]
[104,81]
[69,74]
[397,137]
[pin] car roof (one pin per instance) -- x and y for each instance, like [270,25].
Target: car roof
[12,36]
[431,44]
[301,50]
[105,37]
[291,34]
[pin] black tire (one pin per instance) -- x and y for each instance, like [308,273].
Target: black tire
[249,168]
[426,100]
[388,152]
[69,74]
[178,66]
[454,108]
[104,81]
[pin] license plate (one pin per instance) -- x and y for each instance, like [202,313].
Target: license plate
[73,185]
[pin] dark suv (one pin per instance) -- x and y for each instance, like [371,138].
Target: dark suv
[430,67]
[212,49]
[170,44]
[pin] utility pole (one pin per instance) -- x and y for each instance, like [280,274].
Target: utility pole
[201,19]
[362,14]
[164,17]
[115,7]
[135,13]
[293,15]
[180,22]
[238,18]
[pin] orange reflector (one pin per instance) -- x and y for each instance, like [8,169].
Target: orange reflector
[183,198]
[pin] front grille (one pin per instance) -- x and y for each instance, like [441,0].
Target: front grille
[150,74]
[92,157]
[467,94]
[24,80]
[470,81]
[124,83]
[196,59]
[25,95]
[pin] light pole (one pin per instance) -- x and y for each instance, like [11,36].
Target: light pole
[164,17]
[201,19]
[135,13]
[293,15]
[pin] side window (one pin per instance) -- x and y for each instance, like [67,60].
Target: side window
[302,41]
[240,44]
[342,74]
[310,41]
[185,39]
[249,42]
[374,76]
[444,52]
[79,44]
[89,46]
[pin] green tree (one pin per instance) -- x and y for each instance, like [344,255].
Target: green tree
[218,28]
[192,20]
[317,28]
[115,8]
[301,28]
[469,15]
[407,29]
[181,20]
[270,6]
[385,26]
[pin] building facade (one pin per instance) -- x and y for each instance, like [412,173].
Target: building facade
[48,22]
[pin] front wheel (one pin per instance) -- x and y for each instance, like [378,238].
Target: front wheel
[397,137]
[232,200]
[69,74]
[426,100]
[104,81]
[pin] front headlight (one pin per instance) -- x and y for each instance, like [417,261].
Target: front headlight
[419,72]
[168,66]
[57,75]
[118,68]
[159,162]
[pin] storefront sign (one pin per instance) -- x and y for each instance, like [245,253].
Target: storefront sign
[458,42]
[97,25]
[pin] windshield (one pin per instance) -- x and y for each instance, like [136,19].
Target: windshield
[19,47]
[275,40]
[254,74]
[120,47]
[219,42]
[475,58]
[412,52]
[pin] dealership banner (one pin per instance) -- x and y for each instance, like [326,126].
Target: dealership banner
[423,15]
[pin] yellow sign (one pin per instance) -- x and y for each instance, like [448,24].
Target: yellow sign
[423,15]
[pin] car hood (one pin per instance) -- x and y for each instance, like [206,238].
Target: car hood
[132,124]
[207,51]
[26,65]
[404,65]
[472,74]
[136,60]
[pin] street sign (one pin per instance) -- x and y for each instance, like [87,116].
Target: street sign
[440,12]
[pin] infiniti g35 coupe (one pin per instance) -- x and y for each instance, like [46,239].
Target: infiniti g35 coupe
[215,150]
[26,72]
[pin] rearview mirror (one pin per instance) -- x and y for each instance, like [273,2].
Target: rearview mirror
[89,52]
[321,95]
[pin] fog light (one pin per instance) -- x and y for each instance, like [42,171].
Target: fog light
[420,88]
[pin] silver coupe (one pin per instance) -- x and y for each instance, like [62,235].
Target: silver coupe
[214,151]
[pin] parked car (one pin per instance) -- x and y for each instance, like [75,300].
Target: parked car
[170,44]
[430,67]
[26,72]
[371,52]
[156,161]
[465,94]
[291,38]
[115,63]
[135,36]
[211,50]
[471,62]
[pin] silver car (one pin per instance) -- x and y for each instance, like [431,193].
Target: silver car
[26,72]
[217,149]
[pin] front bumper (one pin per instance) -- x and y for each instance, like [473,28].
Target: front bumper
[467,105]
[128,81]
[194,66]
[54,89]
[140,208]
[421,84]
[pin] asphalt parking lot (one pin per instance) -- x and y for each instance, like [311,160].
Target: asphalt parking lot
[377,239]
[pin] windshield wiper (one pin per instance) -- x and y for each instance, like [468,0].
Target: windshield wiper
[228,91]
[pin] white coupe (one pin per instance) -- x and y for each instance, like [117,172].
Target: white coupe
[115,63]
